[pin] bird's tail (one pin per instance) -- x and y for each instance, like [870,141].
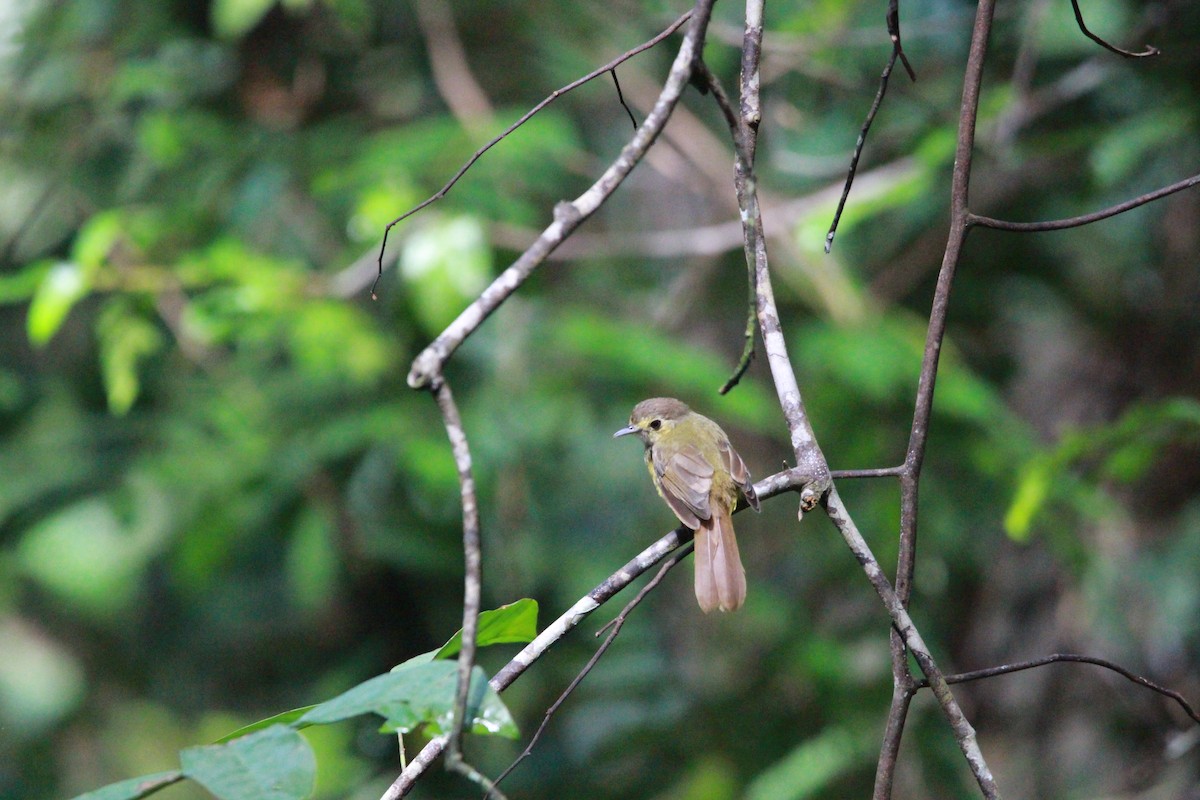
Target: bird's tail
[720,578]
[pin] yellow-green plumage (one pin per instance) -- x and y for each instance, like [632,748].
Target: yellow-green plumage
[699,474]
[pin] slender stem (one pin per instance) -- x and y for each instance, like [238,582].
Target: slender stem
[1150,49]
[1085,219]
[472,583]
[919,433]
[1058,658]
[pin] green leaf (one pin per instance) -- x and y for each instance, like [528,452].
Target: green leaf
[126,339]
[272,764]
[419,693]
[508,624]
[1029,498]
[133,788]
[233,18]
[62,287]
[20,286]
[85,554]
[282,718]
[444,265]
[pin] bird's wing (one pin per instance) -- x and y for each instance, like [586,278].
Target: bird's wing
[685,479]
[737,470]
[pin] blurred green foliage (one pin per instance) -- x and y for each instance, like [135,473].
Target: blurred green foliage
[219,499]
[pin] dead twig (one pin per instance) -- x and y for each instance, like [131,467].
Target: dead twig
[557,93]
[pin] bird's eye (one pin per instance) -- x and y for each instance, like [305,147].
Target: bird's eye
[655,424]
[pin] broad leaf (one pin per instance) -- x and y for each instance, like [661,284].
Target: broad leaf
[134,788]
[416,694]
[282,718]
[272,764]
[515,623]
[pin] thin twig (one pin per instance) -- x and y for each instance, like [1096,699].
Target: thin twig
[621,97]
[862,140]
[1057,658]
[614,628]
[568,216]
[557,93]
[747,356]
[714,87]
[1150,50]
[1085,219]
[473,581]
[893,29]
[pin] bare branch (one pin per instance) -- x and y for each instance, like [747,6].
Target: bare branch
[568,216]
[472,581]
[810,461]
[614,627]
[557,93]
[919,433]
[1150,50]
[879,472]
[1086,219]
[1057,658]
[862,140]
[893,28]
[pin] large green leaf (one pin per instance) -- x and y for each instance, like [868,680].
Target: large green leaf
[64,285]
[282,718]
[272,764]
[416,694]
[509,624]
[134,788]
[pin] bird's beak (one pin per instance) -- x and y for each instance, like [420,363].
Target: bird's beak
[626,431]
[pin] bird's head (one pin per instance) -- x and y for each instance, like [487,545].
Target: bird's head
[653,418]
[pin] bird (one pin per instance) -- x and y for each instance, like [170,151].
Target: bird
[699,474]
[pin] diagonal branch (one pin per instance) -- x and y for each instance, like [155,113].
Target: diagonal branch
[557,93]
[893,28]
[884,77]
[568,216]
[810,461]
[614,627]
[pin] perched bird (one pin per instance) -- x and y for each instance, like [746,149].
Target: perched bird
[698,473]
